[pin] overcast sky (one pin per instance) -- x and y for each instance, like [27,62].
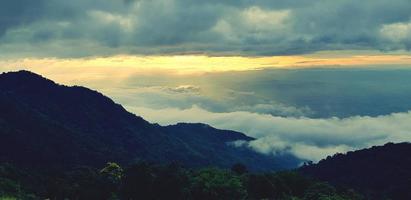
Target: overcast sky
[78,28]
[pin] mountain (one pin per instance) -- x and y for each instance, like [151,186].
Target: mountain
[46,124]
[380,172]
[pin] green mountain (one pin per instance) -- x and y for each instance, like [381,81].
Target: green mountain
[46,124]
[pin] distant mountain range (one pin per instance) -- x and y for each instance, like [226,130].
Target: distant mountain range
[380,172]
[46,124]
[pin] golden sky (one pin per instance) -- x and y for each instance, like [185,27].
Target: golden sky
[122,66]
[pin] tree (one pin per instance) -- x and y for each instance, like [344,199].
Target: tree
[213,184]
[322,191]
[79,183]
[260,186]
[113,172]
[138,182]
[112,175]
[171,182]
[239,169]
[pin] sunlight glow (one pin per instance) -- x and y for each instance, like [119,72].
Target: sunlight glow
[122,66]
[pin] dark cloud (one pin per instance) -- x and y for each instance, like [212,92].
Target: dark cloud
[242,27]
[19,12]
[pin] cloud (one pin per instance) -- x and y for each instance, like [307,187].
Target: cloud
[397,33]
[275,109]
[98,28]
[306,138]
[185,89]
[18,12]
[186,96]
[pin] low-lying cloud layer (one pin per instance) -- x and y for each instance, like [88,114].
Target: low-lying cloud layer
[307,138]
[310,113]
[79,28]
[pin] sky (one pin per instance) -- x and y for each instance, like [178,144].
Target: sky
[307,77]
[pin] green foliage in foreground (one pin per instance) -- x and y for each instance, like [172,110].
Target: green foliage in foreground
[153,182]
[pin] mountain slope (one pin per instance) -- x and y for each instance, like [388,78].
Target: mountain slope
[43,123]
[381,172]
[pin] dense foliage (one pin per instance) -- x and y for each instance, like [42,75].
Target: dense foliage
[156,182]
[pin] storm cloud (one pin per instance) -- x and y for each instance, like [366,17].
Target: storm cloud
[97,28]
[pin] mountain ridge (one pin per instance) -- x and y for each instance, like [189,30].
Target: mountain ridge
[379,172]
[44,123]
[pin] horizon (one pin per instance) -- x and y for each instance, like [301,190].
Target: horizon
[298,129]
[232,61]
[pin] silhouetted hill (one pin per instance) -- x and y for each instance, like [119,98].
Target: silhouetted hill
[380,172]
[46,124]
